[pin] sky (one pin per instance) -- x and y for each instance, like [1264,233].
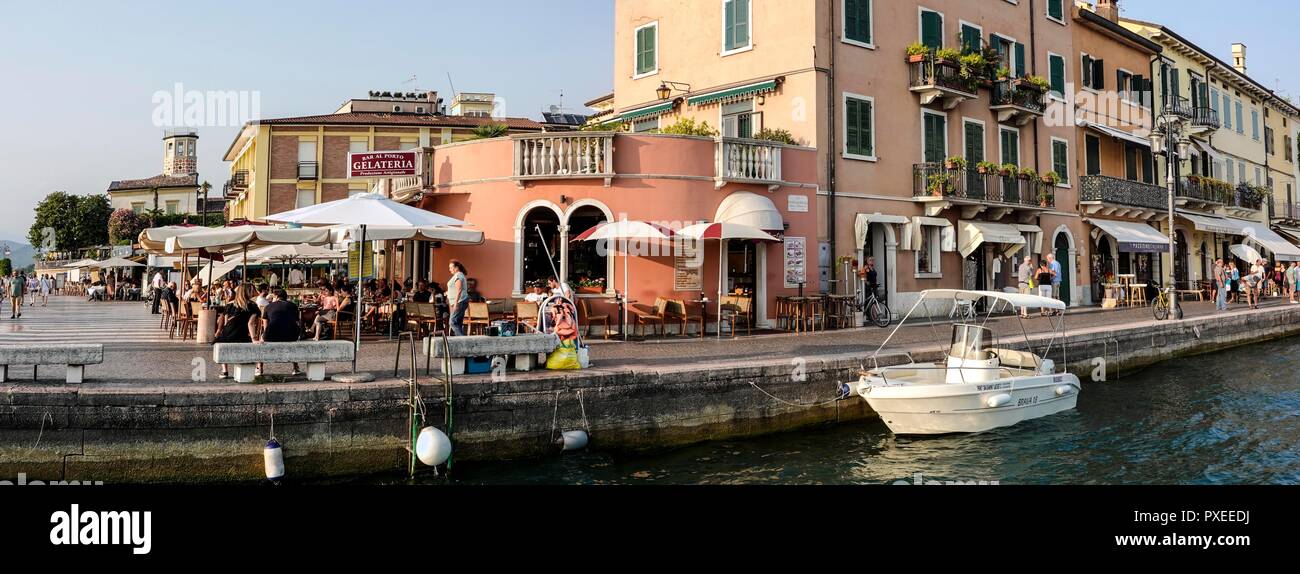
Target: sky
[78,78]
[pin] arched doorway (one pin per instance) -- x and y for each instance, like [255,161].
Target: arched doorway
[875,248]
[1103,265]
[588,270]
[1180,258]
[1067,263]
[541,232]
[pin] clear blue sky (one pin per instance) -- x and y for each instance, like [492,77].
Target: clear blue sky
[77,78]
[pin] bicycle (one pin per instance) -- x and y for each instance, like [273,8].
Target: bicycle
[1160,305]
[874,309]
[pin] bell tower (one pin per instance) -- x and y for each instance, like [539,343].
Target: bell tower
[180,153]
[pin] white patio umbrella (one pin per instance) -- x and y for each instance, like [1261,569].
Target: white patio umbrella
[361,212]
[625,231]
[721,232]
[243,237]
[1246,253]
[155,239]
[114,263]
[444,234]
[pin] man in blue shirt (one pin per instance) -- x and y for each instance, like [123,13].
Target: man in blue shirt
[1055,266]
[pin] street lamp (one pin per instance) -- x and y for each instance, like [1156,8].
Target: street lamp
[1168,138]
[666,88]
[202,195]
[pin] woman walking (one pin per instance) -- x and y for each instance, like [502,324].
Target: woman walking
[457,297]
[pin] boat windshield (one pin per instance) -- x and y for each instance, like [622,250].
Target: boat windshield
[972,342]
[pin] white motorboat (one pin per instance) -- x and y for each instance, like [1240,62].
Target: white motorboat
[980,385]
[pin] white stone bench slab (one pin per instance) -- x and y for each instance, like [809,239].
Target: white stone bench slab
[244,356]
[76,357]
[524,348]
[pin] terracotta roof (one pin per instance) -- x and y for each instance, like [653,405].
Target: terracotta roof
[390,119]
[160,181]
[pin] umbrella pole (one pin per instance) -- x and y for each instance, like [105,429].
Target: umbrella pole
[210,266]
[722,246]
[356,319]
[626,299]
[244,273]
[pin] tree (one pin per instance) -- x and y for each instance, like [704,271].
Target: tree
[73,222]
[6,267]
[124,226]
[489,131]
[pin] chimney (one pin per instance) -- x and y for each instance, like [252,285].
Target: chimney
[1239,57]
[1108,9]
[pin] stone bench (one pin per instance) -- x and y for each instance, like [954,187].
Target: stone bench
[76,357]
[524,349]
[245,356]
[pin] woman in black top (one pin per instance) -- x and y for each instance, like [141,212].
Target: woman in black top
[282,323]
[240,320]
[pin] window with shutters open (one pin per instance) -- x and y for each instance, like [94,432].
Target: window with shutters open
[1124,83]
[1061,160]
[737,20]
[858,23]
[647,50]
[859,127]
[1056,71]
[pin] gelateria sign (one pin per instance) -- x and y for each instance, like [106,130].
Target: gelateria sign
[383,164]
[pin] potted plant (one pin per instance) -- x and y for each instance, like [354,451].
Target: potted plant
[1008,170]
[1028,173]
[948,56]
[955,163]
[939,184]
[1037,83]
[1002,74]
[986,167]
[917,53]
[1044,196]
[974,68]
[589,286]
[1052,178]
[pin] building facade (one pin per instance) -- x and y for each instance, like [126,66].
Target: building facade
[174,191]
[281,164]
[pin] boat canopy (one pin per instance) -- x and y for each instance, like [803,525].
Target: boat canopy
[1015,299]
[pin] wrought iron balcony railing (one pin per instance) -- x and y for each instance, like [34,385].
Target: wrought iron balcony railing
[1108,189]
[939,181]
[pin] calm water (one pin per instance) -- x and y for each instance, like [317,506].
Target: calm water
[1228,418]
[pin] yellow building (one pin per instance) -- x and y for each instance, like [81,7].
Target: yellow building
[1280,130]
[1222,189]
[282,164]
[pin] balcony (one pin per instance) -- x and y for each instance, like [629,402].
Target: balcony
[404,189]
[1247,200]
[564,156]
[1017,102]
[1179,106]
[1205,118]
[237,184]
[1105,195]
[748,161]
[940,188]
[1285,212]
[1204,193]
[940,83]
[307,170]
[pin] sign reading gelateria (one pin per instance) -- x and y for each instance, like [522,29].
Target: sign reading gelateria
[383,164]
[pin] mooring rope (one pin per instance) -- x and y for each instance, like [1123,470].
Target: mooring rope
[45,415]
[843,395]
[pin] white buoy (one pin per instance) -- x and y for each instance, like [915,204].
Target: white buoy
[1064,390]
[273,459]
[433,447]
[573,440]
[997,401]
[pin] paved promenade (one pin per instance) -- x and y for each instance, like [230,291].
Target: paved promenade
[137,352]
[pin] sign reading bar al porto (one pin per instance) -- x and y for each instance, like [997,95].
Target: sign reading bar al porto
[383,164]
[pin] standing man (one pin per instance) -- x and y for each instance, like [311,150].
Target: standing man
[457,297]
[1292,274]
[1220,286]
[16,287]
[157,284]
[1023,274]
[44,287]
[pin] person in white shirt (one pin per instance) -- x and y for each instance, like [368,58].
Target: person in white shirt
[157,284]
[295,277]
[559,289]
[44,287]
[274,280]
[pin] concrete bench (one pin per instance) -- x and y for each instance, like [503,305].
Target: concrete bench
[524,349]
[76,357]
[244,356]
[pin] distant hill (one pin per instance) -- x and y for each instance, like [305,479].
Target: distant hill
[23,254]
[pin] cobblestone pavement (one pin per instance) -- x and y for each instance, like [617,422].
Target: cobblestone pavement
[137,353]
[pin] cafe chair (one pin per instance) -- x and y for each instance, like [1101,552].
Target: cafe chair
[676,311]
[526,315]
[650,316]
[479,316]
[591,320]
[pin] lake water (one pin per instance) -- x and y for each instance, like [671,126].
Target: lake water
[1226,418]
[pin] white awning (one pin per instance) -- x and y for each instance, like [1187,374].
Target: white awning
[1115,133]
[975,233]
[1213,224]
[1033,237]
[1282,249]
[913,230]
[1133,237]
[864,221]
[1209,150]
[750,209]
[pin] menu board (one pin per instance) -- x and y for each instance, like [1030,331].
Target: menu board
[796,262]
[688,271]
[354,255]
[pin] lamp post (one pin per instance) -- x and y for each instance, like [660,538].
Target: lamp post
[1168,138]
[202,194]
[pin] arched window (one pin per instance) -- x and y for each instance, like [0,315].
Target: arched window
[588,269]
[536,268]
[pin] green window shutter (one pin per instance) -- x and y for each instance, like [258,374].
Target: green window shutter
[970,38]
[852,135]
[1061,161]
[866,129]
[1086,71]
[1093,151]
[737,24]
[974,144]
[1175,86]
[646,53]
[935,132]
[1099,74]
[857,20]
[1057,65]
[931,29]
[1010,147]
[1020,60]
[1055,10]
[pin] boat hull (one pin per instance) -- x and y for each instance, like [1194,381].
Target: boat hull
[934,409]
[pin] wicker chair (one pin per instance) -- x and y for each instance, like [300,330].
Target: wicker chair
[526,315]
[479,315]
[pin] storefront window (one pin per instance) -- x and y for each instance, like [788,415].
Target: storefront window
[536,268]
[588,269]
